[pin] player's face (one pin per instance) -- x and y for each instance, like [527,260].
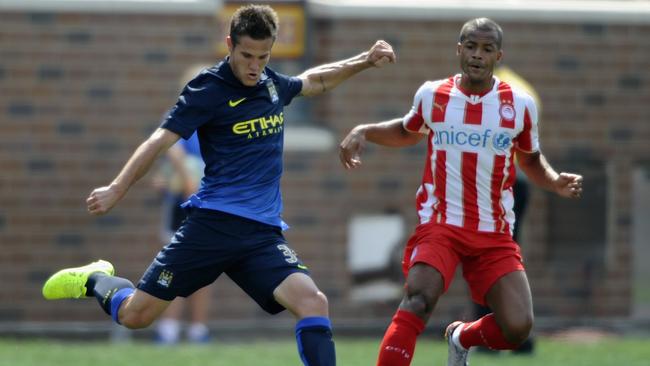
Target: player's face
[479,54]
[248,58]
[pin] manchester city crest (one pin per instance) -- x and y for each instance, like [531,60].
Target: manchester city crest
[272,91]
[165,278]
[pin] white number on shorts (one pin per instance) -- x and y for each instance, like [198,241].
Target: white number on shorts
[289,255]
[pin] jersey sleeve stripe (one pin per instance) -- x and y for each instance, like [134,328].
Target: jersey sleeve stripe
[414,121]
[524,140]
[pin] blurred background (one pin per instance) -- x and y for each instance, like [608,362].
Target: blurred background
[83,82]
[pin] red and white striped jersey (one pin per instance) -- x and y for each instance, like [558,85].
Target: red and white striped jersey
[469,173]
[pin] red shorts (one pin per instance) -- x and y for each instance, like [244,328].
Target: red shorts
[485,257]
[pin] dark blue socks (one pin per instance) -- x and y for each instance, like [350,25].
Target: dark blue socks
[315,345]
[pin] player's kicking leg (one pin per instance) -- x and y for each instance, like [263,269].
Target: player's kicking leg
[117,296]
[504,329]
[299,294]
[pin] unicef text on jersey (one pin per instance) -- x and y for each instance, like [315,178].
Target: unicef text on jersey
[500,141]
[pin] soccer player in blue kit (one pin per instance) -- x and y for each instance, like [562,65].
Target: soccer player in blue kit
[234,224]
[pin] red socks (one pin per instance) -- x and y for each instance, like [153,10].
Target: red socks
[399,340]
[398,345]
[484,332]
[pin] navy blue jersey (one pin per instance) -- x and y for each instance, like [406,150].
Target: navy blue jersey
[191,146]
[241,133]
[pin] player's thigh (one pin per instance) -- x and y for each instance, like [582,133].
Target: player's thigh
[263,268]
[510,299]
[203,247]
[424,286]
[430,260]
[423,278]
[484,267]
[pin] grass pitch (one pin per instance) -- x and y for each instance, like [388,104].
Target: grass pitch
[350,352]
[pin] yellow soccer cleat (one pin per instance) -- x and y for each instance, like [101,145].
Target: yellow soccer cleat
[70,283]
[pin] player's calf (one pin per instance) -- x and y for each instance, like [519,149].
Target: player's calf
[314,339]
[140,310]
[110,292]
[482,332]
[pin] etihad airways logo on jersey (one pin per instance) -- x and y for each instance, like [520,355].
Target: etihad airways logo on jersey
[259,127]
[500,141]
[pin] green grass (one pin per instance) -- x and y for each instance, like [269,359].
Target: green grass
[351,352]
[641,292]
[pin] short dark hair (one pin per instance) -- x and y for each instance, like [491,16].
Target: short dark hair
[481,24]
[255,21]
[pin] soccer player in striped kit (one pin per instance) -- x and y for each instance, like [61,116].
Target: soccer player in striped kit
[475,124]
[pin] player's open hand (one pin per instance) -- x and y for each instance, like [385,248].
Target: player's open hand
[351,147]
[569,185]
[102,199]
[380,54]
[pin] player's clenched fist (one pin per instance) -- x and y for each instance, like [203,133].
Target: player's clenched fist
[380,54]
[102,199]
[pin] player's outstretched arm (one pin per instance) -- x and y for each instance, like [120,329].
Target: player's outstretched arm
[390,133]
[102,199]
[326,77]
[540,172]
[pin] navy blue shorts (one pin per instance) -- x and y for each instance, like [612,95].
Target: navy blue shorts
[253,254]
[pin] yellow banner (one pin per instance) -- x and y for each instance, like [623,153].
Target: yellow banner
[290,42]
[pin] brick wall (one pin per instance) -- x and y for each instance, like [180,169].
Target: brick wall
[80,91]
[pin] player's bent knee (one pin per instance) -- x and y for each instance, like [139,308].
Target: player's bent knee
[315,304]
[517,331]
[322,304]
[418,304]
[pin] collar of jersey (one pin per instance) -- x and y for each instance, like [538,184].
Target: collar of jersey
[468,94]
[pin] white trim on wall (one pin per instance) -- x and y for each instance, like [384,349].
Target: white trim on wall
[631,11]
[115,6]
